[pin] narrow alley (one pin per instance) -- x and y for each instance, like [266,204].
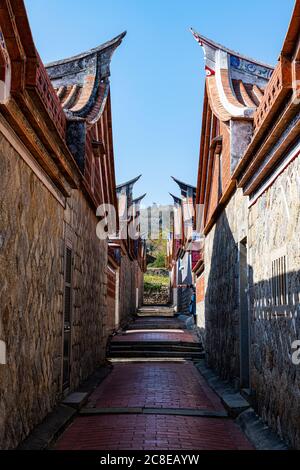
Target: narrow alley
[149,243]
[154,398]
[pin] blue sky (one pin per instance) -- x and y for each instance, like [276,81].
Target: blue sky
[157,74]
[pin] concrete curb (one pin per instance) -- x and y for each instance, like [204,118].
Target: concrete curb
[49,430]
[46,433]
[258,433]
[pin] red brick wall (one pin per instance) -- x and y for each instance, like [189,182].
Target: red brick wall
[200,288]
[226,174]
[99,172]
[111,284]
[213,197]
[111,301]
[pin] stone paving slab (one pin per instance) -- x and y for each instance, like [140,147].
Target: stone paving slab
[152,432]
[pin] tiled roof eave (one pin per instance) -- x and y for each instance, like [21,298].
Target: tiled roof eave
[200,38]
[113,42]
[235,83]
[82,81]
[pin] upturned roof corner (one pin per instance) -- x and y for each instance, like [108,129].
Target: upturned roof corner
[82,81]
[235,83]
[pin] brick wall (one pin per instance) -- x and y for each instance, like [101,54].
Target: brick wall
[213,197]
[200,288]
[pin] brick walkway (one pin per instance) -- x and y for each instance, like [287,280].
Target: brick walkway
[168,385]
[154,385]
[139,432]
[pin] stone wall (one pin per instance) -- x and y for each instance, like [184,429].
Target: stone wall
[31,292]
[34,230]
[221,288]
[127,289]
[140,285]
[90,323]
[274,227]
[184,295]
[160,297]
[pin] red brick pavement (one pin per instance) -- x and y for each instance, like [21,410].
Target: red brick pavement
[155,432]
[169,385]
[155,384]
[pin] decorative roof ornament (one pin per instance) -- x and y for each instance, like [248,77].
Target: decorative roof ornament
[128,184]
[138,200]
[82,81]
[186,189]
[177,200]
[235,83]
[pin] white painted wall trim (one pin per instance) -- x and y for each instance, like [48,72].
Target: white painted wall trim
[235,111]
[290,157]
[20,148]
[117,304]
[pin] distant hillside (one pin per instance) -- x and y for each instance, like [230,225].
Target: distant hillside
[156,222]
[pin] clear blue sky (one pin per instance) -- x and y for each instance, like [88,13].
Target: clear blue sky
[157,74]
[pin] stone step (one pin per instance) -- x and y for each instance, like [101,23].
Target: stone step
[155,326]
[156,354]
[155,345]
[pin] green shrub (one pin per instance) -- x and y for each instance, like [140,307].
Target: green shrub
[154,283]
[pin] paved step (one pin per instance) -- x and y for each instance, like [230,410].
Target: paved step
[157,354]
[155,326]
[157,311]
[146,339]
[153,347]
[156,344]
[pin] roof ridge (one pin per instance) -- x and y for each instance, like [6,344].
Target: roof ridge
[183,183]
[127,183]
[216,45]
[101,47]
[177,199]
[138,199]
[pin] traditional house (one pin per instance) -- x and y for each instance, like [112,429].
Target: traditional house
[248,181]
[133,250]
[57,167]
[182,252]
